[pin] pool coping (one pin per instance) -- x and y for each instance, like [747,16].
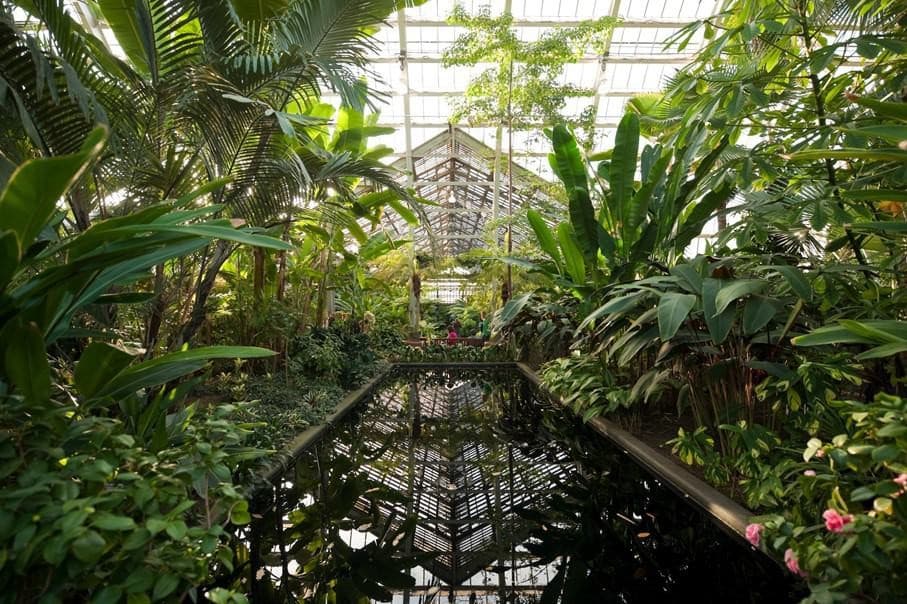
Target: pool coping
[725,512]
[308,437]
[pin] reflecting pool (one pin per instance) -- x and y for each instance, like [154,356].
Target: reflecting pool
[466,485]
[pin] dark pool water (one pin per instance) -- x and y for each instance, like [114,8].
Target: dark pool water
[455,485]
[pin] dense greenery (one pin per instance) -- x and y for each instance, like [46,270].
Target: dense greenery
[187,225]
[118,483]
[787,334]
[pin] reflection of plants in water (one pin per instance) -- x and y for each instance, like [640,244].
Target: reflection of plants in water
[306,542]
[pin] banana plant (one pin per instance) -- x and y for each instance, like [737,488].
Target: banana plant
[619,226]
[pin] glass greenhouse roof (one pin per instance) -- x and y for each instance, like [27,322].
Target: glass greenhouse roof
[420,90]
[418,94]
[409,62]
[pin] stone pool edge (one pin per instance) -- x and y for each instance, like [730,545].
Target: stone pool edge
[726,512]
[312,434]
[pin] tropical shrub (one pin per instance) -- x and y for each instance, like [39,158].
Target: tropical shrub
[113,486]
[584,384]
[534,328]
[90,514]
[855,484]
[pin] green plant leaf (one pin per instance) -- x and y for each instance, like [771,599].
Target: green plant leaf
[615,305]
[405,213]
[31,193]
[164,586]
[623,173]
[688,277]
[643,197]
[544,235]
[876,195]
[112,522]
[735,290]
[896,110]
[98,365]
[885,350]
[174,365]
[796,280]
[212,231]
[718,324]
[573,257]
[853,332]
[673,309]
[867,154]
[571,170]
[123,18]
[759,310]
[509,311]
[25,360]
[89,547]
[894,333]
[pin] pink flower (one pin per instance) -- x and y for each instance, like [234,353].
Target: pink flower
[790,559]
[834,521]
[754,533]
[809,472]
[901,480]
[820,453]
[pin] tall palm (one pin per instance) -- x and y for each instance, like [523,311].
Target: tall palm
[207,89]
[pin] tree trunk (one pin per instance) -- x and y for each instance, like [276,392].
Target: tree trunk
[156,318]
[258,276]
[80,204]
[415,307]
[222,252]
[281,274]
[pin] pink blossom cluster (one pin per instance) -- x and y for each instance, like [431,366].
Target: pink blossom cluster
[834,521]
[901,479]
[754,533]
[793,565]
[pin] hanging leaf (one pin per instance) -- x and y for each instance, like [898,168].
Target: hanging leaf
[573,257]
[615,305]
[736,290]
[688,277]
[796,280]
[718,324]
[673,309]
[759,310]
[510,310]
[544,235]
[25,361]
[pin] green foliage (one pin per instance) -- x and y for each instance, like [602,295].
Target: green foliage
[526,73]
[90,514]
[620,228]
[114,487]
[534,329]
[585,386]
[860,474]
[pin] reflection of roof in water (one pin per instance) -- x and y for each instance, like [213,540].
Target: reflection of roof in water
[462,477]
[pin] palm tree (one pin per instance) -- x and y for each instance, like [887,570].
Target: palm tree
[206,90]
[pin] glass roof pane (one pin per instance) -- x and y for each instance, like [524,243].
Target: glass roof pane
[637,62]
